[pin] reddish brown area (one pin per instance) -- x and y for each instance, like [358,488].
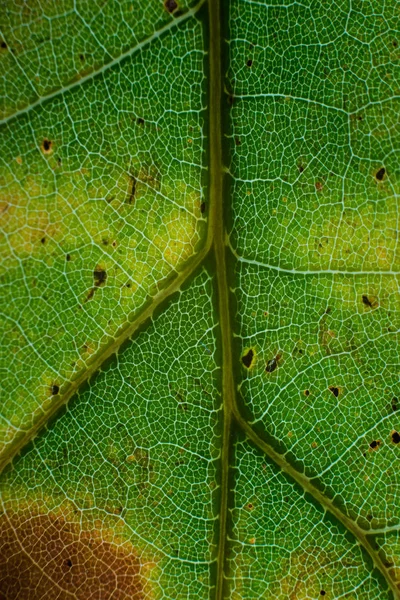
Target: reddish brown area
[47,557]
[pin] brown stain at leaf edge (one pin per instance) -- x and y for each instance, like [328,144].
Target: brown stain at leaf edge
[49,556]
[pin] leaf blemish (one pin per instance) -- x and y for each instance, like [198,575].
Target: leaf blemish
[395,437]
[380,174]
[170,5]
[249,62]
[375,444]
[272,364]
[247,359]
[335,390]
[55,389]
[99,276]
[202,207]
[46,146]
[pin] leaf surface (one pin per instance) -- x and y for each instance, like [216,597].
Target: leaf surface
[199,209]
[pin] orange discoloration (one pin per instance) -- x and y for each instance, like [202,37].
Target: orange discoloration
[50,556]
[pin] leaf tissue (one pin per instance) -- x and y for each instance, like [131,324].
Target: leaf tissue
[199,206]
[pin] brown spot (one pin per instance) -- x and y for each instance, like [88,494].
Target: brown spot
[43,240]
[395,44]
[366,301]
[250,506]
[249,62]
[53,553]
[247,358]
[3,45]
[335,391]
[395,437]
[170,5]
[306,392]
[301,168]
[68,257]
[272,364]
[55,389]
[99,276]
[374,445]
[90,294]
[380,174]
[322,592]
[202,207]
[319,186]
[140,121]
[46,146]
[132,190]
[238,142]
[82,57]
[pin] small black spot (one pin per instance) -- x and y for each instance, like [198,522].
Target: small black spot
[231,99]
[140,121]
[3,45]
[68,257]
[395,43]
[366,301]
[68,562]
[46,145]
[380,174]
[238,142]
[170,5]
[249,62]
[301,168]
[55,389]
[306,392]
[370,517]
[247,358]
[82,57]
[394,403]
[322,592]
[271,365]
[334,390]
[43,240]
[202,207]
[395,437]
[375,444]
[99,276]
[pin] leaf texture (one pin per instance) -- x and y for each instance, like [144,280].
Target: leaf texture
[200,298]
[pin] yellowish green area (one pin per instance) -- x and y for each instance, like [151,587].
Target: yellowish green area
[100,203]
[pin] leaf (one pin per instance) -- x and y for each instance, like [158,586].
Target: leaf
[201,305]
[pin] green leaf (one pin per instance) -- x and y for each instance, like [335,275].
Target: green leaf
[200,300]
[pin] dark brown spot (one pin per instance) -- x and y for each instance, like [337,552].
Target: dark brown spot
[374,445]
[250,506]
[43,553]
[170,5]
[249,62]
[99,276]
[82,57]
[202,207]
[395,43]
[334,390]
[90,295]
[322,592]
[318,186]
[231,99]
[55,389]
[366,301]
[306,392]
[46,146]
[3,45]
[395,435]
[380,174]
[272,364]
[301,168]
[140,121]
[247,358]
[394,404]
[43,240]
[132,190]
[68,257]
[238,142]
